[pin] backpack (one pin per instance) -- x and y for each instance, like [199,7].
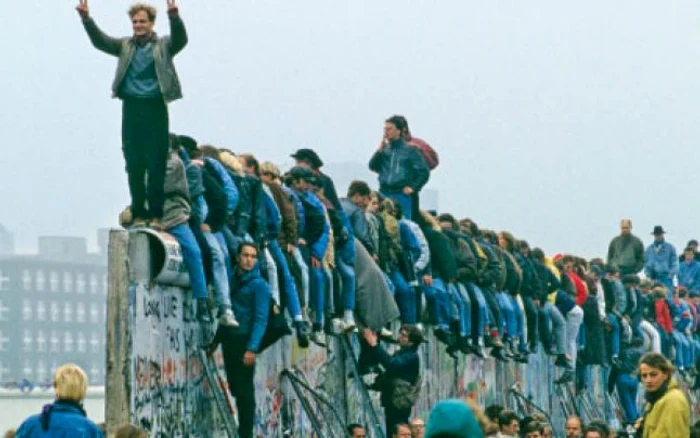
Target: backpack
[429,154]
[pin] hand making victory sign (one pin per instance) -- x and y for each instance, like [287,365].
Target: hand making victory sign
[172,7]
[82,8]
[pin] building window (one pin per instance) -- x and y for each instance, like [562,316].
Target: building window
[82,343]
[68,342]
[40,341]
[94,343]
[4,281]
[55,343]
[41,372]
[40,280]
[26,310]
[4,341]
[67,312]
[94,284]
[28,341]
[94,313]
[80,312]
[40,311]
[80,283]
[55,312]
[53,281]
[27,371]
[26,280]
[4,312]
[67,282]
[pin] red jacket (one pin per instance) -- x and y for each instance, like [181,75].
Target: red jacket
[663,315]
[581,289]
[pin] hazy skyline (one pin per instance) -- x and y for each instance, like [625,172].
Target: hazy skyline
[552,119]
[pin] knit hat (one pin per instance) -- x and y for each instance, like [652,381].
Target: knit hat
[453,418]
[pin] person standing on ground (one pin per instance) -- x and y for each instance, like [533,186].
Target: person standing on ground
[250,298]
[417,428]
[401,168]
[145,81]
[65,416]
[626,251]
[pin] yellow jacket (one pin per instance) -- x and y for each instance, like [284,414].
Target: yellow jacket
[669,417]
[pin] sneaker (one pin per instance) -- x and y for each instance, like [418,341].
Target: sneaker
[318,338]
[386,334]
[348,324]
[302,334]
[227,319]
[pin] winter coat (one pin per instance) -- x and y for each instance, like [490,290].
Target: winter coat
[593,353]
[216,201]
[689,275]
[225,181]
[176,205]
[443,263]
[250,301]
[287,208]
[399,166]
[375,305]
[165,48]
[663,315]
[669,417]
[422,259]
[272,216]
[316,229]
[494,269]
[549,283]
[626,253]
[62,419]
[466,262]
[529,287]
[404,364]
[360,226]
[514,275]
[249,217]
[661,261]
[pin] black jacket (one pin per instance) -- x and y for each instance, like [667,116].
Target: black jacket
[404,364]
[399,166]
[466,262]
[442,261]
[217,202]
[549,283]
[529,287]
[250,215]
[493,271]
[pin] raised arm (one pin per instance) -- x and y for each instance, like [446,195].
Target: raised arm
[99,39]
[178,33]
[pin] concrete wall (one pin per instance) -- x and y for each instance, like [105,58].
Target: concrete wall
[154,377]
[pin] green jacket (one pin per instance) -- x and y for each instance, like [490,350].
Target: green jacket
[669,417]
[165,49]
[626,254]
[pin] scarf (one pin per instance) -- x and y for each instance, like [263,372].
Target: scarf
[652,398]
[47,410]
[145,39]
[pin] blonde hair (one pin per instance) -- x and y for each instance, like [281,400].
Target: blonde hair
[70,383]
[230,161]
[270,168]
[430,220]
[148,9]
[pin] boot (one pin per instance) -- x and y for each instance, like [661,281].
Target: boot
[302,330]
[227,318]
[563,362]
[499,354]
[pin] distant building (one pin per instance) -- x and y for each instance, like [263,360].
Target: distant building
[7,242]
[52,311]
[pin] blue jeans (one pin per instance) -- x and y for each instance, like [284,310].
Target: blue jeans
[614,335]
[520,323]
[405,297]
[227,257]
[683,352]
[290,288]
[222,293]
[506,306]
[438,302]
[317,277]
[304,272]
[460,297]
[345,263]
[627,387]
[192,256]
[404,201]
[480,313]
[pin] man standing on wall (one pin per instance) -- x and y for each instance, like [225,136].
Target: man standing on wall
[401,168]
[146,81]
[626,251]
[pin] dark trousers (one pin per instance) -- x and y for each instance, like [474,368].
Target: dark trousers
[393,417]
[205,249]
[145,141]
[492,303]
[240,382]
[532,316]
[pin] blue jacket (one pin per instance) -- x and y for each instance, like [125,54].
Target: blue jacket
[250,301]
[226,182]
[62,420]
[399,166]
[689,275]
[660,261]
[409,243]
[316,238]
[273,217]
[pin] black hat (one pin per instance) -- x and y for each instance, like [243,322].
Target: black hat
[692,242]
[298,172]
[187,143]
[658,230]
[630,279]
[308,155]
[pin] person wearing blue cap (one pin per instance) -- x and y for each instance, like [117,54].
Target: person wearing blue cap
[454,419]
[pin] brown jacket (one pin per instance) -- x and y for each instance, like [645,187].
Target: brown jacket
[288,233]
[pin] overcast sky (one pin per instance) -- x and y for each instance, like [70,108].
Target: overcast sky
[552,119]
